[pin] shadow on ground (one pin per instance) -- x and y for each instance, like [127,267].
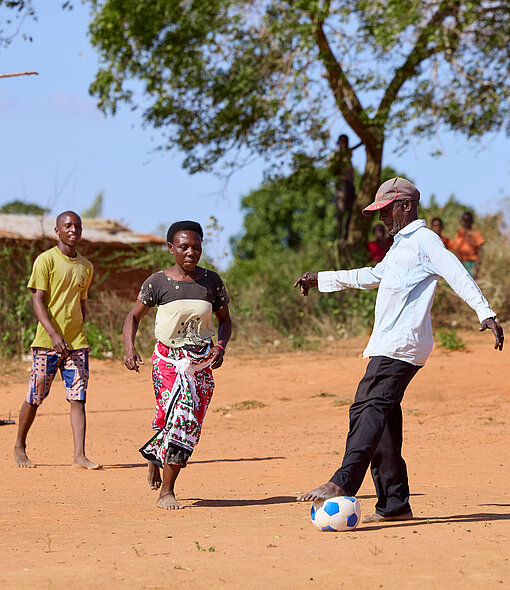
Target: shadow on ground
[134,465]
[453,519]
[207,503]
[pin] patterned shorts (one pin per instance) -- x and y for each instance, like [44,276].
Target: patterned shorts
[74,370]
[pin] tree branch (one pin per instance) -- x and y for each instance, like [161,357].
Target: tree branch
[346,98]
[418,54]
[19,74]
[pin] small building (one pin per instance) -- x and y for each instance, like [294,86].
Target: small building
[117,252]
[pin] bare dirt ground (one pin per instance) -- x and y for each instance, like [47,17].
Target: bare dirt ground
[241,528]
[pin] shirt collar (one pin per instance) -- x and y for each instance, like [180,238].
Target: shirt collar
[409,229]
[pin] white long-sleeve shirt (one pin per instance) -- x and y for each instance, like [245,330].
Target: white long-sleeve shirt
[407,278]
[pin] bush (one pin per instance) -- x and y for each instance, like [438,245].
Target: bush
[450,340]
[99,343]
[17,318]
[290,228]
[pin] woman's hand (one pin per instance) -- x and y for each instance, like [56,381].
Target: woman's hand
[216,355]
[133,360]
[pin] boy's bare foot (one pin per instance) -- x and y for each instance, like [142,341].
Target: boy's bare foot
[168,502]
[20,456]
[375,518]
[84,463]
[323,492]
[153,476]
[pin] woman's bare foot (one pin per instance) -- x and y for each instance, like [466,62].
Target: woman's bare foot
[168,502]
[323,492]
[20,456]
[84,463]
[153,476]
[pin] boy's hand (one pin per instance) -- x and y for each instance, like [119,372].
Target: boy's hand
[59,345]
[133,360]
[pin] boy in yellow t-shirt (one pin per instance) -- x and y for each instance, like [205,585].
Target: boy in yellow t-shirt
[59,282]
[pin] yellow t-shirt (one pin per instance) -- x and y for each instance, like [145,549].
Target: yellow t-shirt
[66,282]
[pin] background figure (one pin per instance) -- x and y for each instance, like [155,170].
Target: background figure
[343,171]
[468,244]
[436,225]
[378,248]
[59,282]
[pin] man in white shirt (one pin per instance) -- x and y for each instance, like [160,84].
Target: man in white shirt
[400,344]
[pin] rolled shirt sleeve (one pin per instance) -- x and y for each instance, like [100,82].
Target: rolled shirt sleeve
[448,266]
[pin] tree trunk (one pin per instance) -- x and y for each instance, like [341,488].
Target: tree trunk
[360,225]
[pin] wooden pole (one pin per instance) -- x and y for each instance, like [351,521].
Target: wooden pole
[19,74]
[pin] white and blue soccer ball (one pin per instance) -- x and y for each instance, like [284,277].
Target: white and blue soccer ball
[336,514]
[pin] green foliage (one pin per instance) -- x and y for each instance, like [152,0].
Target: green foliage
[450,340]
[96,209]
[225,80]
[107,312]
[99,343]
[293,212]
[22,208]
[225,74]
[199,547]
[17,318]
[290,227]
[288,213]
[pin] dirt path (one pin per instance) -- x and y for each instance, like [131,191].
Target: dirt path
[63,528]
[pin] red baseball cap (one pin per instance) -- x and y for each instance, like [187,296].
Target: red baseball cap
[395,189]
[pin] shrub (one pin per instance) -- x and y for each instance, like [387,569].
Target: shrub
[17,318]
[99,343]
[450,340]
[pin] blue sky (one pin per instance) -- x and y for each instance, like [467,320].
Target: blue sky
[60,151]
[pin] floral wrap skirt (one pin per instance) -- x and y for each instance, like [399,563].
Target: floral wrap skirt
[183,385]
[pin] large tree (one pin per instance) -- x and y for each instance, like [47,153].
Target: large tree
[223,79]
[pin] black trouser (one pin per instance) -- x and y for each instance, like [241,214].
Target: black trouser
[375,436]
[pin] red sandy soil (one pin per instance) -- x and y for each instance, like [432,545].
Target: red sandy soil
[241,528]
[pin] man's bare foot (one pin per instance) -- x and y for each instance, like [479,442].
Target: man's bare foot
[323,492]
[84,463]
[168,502]
[20,456]
[375,518]
[153,476]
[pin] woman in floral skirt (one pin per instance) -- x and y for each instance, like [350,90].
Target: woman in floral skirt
[186,296]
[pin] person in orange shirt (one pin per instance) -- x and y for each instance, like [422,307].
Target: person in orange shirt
[436,225]
[468,243]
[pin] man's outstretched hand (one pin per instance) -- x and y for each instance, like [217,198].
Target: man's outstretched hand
[307,281]
[497,329]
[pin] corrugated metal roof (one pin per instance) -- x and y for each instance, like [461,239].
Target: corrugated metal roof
[103,231]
